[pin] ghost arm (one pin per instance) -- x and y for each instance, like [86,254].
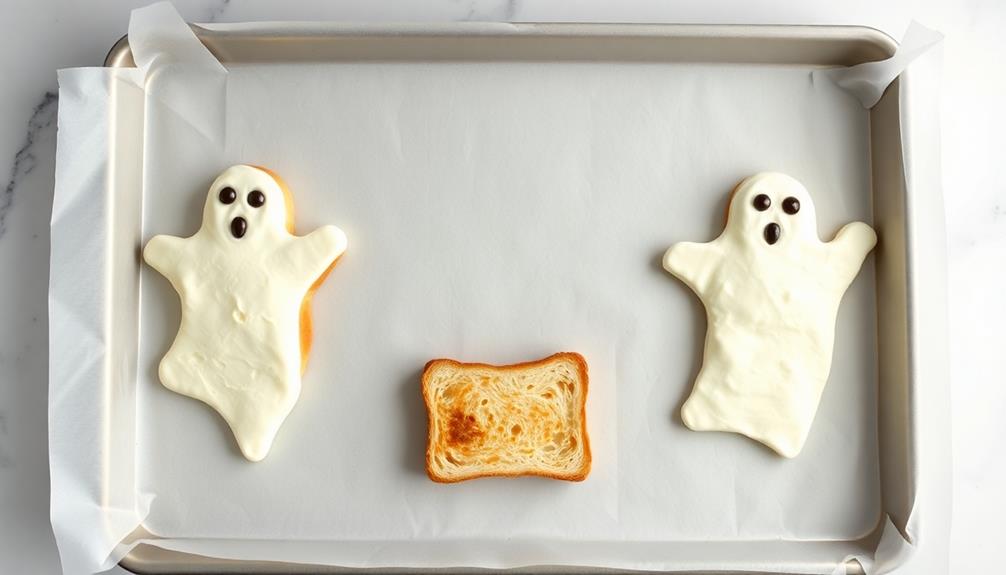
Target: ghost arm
[691,263]
[166,254]
[850,247]
[312,254]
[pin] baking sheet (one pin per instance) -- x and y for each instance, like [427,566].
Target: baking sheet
[499,213]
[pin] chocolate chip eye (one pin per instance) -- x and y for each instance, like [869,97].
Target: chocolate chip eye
[791,205]
[227,195]
[256,199]
[772,233]
[762,202]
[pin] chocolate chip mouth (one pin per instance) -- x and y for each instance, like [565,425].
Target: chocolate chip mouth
[239,227]
[772,233]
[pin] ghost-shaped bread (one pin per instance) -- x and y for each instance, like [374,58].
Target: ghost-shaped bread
[771,289]
[245,282]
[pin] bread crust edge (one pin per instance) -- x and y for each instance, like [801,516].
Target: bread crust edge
[306,323]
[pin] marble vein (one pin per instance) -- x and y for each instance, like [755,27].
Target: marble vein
[42,118]
[510,10]
[5,460]
[217,11]
[507,12]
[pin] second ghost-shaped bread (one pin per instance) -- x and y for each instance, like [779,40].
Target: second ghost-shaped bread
[771,289]
[245,282]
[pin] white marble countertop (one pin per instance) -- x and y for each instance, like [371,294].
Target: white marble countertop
[39,37]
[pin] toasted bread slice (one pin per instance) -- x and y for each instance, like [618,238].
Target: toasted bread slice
[523,419]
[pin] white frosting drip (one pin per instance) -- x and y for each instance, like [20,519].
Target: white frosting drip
[771,313]
[238,347]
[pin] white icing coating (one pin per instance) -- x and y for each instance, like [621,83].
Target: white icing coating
[238,347]
[770,311]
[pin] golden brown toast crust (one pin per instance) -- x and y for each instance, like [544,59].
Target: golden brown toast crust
[463,430]
[306,329]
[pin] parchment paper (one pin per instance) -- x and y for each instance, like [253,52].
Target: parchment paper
[496,212]
[501,213]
